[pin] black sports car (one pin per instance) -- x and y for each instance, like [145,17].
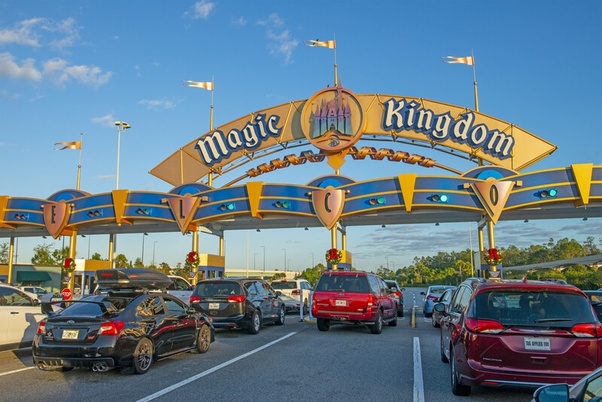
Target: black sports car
[127,326]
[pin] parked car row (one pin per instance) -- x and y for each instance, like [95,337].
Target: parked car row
[520,334]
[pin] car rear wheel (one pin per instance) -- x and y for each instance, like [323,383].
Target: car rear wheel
[203,339]
[400,311]
[323,325]
[457,388]
[433,322]
[143,356]
[281,316]
[255,323]
[377,327]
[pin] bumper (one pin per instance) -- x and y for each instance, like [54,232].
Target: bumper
[367,318]
[101,355]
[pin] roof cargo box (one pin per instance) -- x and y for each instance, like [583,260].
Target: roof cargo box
[132,278]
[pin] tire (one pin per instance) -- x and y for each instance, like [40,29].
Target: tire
[456,388]
[203,339]
[281,316]
[323,325]
[143,356]
[377,327]
[393,322]
[433,322]
[400,311]
[255,323]
[442,349]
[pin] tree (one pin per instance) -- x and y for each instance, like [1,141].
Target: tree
[138,263]
[43,256]
[96,256]
[60,255]
[121,261]
[4,253]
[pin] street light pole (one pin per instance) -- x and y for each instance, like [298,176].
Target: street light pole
[121,127]
[142,258]
[154,244]
[263,247]
[284,259]
[254,255]
[312,260]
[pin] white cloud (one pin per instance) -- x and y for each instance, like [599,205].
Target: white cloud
[282,44]
[157,104]
[61,72]
[240,21]
[272,20]
[11,69]
[107,120]
[201,9]
[23,34]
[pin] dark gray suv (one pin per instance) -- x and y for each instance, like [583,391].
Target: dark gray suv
[246,303]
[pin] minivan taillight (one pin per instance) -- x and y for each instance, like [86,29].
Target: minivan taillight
[41,328]
[371,300]
[295,292]
[236,298]
[587,330]
[483,326]
[194,299]
[397,294]
[111,328]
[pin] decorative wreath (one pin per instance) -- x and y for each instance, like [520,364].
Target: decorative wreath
[493,257]
[192,260]
[69,265]
[334,256]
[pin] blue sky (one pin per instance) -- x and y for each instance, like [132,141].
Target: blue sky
[71,67]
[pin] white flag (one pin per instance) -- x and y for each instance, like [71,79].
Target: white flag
[69,145]
[199,84]
[331,44]
[469,60]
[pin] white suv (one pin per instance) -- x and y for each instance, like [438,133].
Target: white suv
[19,315]
[294,288]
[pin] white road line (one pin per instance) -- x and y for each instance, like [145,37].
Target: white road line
[418,381]
[211,370]
[16,371]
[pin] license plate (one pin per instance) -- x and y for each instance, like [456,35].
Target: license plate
[70,334]
[340,303]
[213,306]
[532,343]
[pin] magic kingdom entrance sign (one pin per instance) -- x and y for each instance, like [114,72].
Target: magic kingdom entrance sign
[335,119]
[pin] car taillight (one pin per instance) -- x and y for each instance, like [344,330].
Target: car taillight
[295,292]
[371,300]
[432,297]
[483,326]
[41,328]
[236,298]
[587,330]
[194,299]
[111,328]
[397,294]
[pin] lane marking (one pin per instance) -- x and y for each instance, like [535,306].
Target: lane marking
[16,371]
[211,370]
[418,380]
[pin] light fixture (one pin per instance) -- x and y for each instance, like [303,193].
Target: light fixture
[585,218]
[442,198]
[526,221]
[281,204]
[306,228]
[226,207]
[144,211]
[259,230]
[383,226]
[437,224]
[552,192]
[377,201]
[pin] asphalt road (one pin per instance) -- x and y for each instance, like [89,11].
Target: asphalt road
[293,362]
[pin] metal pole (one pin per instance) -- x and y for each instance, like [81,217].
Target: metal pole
[154,244]
[284,259]
[263,258]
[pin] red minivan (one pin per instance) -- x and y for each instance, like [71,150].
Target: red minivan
[518,333]
[353,297]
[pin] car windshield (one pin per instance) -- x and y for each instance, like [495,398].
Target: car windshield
[437,291]
[210,289]
[532,308]
[284,285]
[343,283]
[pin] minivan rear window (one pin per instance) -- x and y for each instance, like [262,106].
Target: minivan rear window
[284,285]
[532,308]
[218,289]
[343,283]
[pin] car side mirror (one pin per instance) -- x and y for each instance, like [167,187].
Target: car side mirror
[278,293]
[439,307]
[552,393]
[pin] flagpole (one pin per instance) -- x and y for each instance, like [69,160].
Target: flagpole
[476,91]
[79,165]
[336,70]
[210,175]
